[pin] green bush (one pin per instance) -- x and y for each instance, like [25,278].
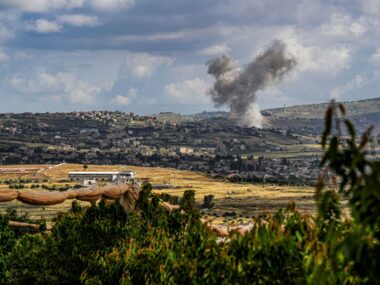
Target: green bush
[208,202]
[7,242]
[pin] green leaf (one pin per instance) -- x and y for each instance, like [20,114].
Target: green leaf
[350,128]
[328,124]
[342,109]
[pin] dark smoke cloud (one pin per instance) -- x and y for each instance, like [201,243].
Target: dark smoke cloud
[238,88]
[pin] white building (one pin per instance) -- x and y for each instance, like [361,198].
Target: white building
[186,150]
[110,176]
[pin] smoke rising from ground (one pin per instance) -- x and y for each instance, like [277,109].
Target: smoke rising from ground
[237,88]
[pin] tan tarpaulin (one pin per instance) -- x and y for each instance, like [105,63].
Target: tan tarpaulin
[169,207]
[129,199]
[16,224]
[89,195]
[42,198]
[71,194]
[115,191]
[8,195]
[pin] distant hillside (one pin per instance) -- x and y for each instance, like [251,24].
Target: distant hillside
[309,118]
[317,111]
[175,117]
[208,115]
[308,111]
[171,116]
[305,118]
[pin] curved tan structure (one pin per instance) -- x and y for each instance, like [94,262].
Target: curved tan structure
[115,191]
[90,195]
[169,207]
[71,194]
[46,198]
[41,198]
[8,195]
[129,199]
[16,224]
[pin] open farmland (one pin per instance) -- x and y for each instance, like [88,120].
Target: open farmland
[246,200]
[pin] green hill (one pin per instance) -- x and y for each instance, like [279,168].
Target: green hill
[317,111]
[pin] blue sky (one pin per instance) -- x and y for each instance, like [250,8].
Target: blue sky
[148,56]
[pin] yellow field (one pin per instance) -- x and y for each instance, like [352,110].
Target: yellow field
[244,199]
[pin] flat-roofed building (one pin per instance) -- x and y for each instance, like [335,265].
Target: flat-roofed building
[110,176]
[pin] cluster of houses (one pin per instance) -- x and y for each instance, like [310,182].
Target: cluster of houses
[217,147]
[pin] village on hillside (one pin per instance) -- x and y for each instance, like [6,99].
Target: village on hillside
[213,146]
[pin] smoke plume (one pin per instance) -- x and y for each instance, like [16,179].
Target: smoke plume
[237,88]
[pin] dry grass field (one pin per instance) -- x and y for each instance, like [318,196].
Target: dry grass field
[246,200]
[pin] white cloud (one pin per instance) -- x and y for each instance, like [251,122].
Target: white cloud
[169,36]
[44,26]
[343,25]
[79,20]
[42,6]
[142,65]
[80,96]
[125,100]
[328,60]
[184,71]
[185,34]
[22,55]
[110,5]
[215,50]
[121,100]
[192,91]
[370,6]
[5,32]
[315,58]
[355,83]
[55,98]
[40,82]
[3,56]
[375,57]
[150,101]
[78,91]
[62,84]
